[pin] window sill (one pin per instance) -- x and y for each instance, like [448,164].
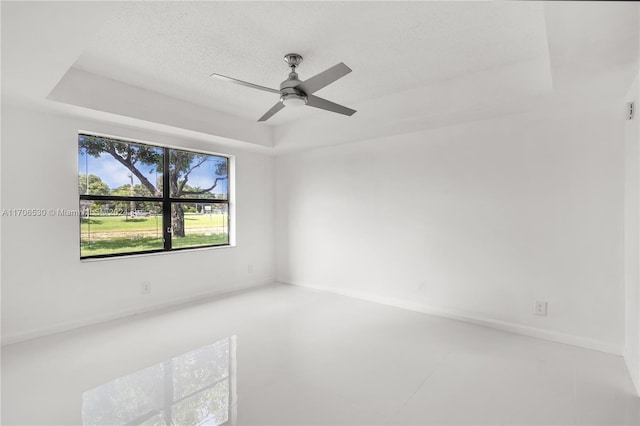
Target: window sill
[158,253]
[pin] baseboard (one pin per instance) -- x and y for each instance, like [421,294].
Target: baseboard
[634,378]
[486,322]
[97,319]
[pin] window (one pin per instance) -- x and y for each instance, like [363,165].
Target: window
[129,204]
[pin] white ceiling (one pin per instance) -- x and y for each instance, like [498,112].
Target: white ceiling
[173,47]
[415,64]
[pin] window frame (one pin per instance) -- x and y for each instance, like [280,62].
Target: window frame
[166,200]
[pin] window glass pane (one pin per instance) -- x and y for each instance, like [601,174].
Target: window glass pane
[193,175]
[110,167]
[115,226]
[199,224]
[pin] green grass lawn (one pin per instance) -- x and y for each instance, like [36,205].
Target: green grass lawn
[199,240]
[95,242]
[130,245]
[119,245]
[122,223]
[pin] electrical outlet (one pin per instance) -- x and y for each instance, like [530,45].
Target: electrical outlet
[145,287]
[540,308]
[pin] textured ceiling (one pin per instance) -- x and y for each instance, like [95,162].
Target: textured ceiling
[416,65]
[173,47]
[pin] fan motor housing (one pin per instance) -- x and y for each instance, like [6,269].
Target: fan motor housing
[293,98]
[291,82]
[288,89]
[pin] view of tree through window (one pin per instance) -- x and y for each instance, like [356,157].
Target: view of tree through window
[124,205]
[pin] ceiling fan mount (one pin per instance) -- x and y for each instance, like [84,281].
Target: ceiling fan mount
[295,92]
[293,59]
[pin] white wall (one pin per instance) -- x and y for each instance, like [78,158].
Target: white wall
[472,221]
[45,286]
[632,238]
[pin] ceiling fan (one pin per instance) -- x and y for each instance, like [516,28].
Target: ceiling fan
[294,92]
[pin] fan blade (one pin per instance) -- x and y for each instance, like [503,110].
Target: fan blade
[323,79]
[244,83]
[321,103]
[277,107]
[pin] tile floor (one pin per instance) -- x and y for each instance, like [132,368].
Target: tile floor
[283,355]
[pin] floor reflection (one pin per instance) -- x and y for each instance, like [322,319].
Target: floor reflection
[195,388]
